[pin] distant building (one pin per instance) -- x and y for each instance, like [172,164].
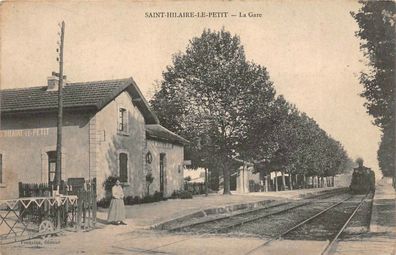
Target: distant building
[108,129]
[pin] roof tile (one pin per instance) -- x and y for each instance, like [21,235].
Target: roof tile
[158,132]
[81,94]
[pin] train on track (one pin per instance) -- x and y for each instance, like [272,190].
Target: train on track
[363,179]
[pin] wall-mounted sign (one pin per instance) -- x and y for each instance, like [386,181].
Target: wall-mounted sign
[24,132]
[187,162]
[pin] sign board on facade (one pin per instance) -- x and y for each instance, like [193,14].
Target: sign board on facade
[24,132]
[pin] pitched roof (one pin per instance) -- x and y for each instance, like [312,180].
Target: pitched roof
[94,95]
[158,132]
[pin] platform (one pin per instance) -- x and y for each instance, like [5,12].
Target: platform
[152,214]
[381,239]
[137,238]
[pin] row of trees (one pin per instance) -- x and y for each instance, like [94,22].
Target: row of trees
[376,21]
[227,107]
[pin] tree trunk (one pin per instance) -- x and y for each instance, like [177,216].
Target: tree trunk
[206,181]
[283,180]
[266,183]
[226,179]
[290,181]
[214,179]
[276,181]
[304,181]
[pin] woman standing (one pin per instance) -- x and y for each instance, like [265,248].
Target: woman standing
[117,208]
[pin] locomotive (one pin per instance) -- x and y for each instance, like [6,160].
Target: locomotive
[363,179]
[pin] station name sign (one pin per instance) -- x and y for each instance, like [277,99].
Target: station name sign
[24,132]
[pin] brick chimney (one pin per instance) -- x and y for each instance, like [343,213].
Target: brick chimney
[53,83]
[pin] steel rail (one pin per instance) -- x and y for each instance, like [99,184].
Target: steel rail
[270,214]
[325,195]
[228,216]
[233,225]
[331,244]
[298,225]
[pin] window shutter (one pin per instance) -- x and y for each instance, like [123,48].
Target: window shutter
[119,120]
[126,126]
[123,166]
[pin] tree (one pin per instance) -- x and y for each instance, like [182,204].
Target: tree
[208,95]
[287,140]
[376,20]
[386,152]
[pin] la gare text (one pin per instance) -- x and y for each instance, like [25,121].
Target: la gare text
[201,15]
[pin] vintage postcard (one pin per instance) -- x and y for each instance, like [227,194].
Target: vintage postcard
[197,127]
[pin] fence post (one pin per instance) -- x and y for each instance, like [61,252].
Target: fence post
[58,209]
[89,204]
[94,206]
[79,210]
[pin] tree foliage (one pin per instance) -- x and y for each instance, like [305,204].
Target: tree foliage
[376,20]
[208,94]
[226,107]
[294,143]
[386,152]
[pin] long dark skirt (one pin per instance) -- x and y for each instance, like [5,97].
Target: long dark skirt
[116,210]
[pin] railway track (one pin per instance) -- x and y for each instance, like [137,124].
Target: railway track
[316,217]
[316,210]
[225,223]
[328,249]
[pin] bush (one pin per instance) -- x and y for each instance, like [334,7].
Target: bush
[129,200]
[109,183]
[148,199]
[104,202]
[158,196]
[182,194]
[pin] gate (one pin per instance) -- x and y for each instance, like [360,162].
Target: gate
[42,211]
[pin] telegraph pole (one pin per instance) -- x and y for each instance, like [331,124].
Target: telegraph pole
[58,170]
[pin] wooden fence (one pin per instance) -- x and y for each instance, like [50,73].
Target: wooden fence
[86,206]
[195,188]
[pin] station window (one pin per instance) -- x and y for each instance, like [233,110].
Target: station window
[123,167]
[122,120]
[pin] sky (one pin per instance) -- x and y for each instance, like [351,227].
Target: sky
[308,47]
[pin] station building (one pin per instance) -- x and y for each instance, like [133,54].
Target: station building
[108,130]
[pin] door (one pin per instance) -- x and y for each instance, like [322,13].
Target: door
[162,172]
